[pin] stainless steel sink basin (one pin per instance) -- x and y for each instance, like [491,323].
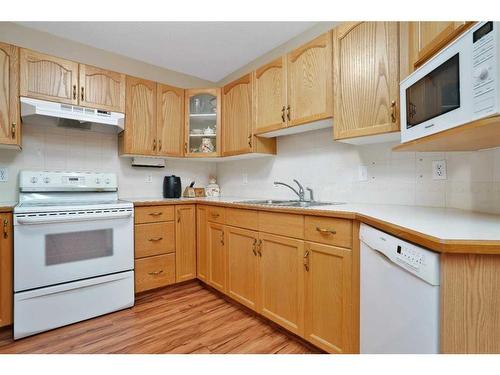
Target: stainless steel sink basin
[289,203]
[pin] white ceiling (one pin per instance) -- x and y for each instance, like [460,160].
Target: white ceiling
[208,50]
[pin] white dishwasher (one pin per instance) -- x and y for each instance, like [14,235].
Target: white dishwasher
[399,295]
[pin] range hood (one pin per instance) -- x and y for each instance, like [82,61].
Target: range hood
[66,115]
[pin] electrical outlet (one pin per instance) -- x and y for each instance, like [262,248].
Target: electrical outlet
[362,173]
[4,176]
[439,170]
[149,178]
[245,178]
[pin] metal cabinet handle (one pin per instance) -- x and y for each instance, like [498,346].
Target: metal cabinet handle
[178,216]
[83,93]
[13,129]
[156,213]
[254,245]
[159,145]
[185,147]
[155,239]
[326,230]
[5,224]
[283,109]
[214,214]
[250,141]
[74,91]
[393,111]
[222,238]
[305,260]
[155,273]
[154,144]
[288,109]
[259,248]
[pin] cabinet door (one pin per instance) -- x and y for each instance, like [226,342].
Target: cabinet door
[170,105]
[216,257]
[10,122]
[242,266]
[366,79]
[429,37]
[139,137]
[48,78]
[202,243]
[328,317]
[270,96]
[203,118]
[237,116]
[282,281]
[6,269]
[102,89]
[185,243]
[310,81]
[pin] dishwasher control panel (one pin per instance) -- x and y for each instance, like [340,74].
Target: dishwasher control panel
[420,262]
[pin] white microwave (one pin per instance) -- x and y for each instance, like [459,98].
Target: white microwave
[457,86]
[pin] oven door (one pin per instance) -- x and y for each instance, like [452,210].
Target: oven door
[437,96]
[53,249]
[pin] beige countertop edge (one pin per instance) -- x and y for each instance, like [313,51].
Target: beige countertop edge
[448,245]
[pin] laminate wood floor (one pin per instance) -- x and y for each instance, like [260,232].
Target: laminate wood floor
[188,318]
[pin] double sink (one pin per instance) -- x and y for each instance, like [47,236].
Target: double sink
[288,203]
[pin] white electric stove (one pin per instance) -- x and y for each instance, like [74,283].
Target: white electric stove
[73,249]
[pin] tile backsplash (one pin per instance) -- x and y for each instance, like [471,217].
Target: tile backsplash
[53,148]
[332,170]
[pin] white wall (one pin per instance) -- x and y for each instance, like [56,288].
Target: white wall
[52,148]
[331,169]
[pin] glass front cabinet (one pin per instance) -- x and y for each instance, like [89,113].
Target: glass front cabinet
[202,123]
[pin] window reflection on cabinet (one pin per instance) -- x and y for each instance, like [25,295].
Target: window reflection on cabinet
[202,123]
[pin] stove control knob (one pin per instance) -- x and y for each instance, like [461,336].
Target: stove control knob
[46,180]
[97,180]
[33,180]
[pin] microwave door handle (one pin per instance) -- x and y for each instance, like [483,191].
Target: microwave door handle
[71,218]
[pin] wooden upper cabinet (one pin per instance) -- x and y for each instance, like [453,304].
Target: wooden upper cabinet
[270,96]
[366,79]
[170,118]
[237,116]
[427,38]
[185,242]
[139,137]
[10,122]
[6,268]
[100,88]
[329,319]
[310,81]
[47,77]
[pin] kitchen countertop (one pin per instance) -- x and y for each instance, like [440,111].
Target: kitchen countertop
[7,206]
[444,230]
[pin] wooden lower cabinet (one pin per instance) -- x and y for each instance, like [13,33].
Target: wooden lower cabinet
[185,242]
[328,298]
[216,257]
[6,269]
[154,272]
[242,266]
[282,281]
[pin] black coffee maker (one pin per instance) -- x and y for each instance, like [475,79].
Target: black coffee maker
[172,187]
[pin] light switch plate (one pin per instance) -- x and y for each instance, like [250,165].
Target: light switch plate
[149,178]
[363,173]
[4,175]
[245,178]
[439,170]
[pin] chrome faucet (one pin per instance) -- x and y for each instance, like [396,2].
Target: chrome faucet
[300,192]
[311,194]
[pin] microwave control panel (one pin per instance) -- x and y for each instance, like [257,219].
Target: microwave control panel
[484,69]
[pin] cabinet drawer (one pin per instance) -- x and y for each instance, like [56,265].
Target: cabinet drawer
[247,219]
[154,239]
[216,214]
[330,231]
[288,225]
[152,214]
[154,272]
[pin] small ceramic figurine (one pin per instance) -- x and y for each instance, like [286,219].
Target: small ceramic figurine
[212,189]
[207,145]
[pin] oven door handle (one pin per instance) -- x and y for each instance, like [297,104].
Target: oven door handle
[72,218]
